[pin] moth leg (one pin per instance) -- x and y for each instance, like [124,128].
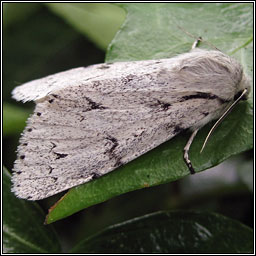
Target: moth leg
[186,150]
[196,43]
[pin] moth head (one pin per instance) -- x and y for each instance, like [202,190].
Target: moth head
[244,84]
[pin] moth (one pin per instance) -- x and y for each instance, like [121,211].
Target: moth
[89,121]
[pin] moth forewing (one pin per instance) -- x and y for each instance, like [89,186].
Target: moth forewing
[89,121]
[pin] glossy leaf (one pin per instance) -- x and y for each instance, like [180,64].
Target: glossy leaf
[172,232]
[162,30]
[23,228]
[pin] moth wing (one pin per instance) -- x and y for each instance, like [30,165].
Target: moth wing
[88,121]
[40,88]
[73,138]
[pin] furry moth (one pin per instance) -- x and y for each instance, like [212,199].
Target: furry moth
[89,121]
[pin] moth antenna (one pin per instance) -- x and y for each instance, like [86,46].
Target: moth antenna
[189,34]
[222,118]
[211,45]
[198,39]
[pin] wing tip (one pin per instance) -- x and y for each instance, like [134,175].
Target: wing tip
[21,93]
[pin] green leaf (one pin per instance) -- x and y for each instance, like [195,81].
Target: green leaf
[14,119]
[154,31]
[99,22]
[172,232]
[150,30]
[23,229]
